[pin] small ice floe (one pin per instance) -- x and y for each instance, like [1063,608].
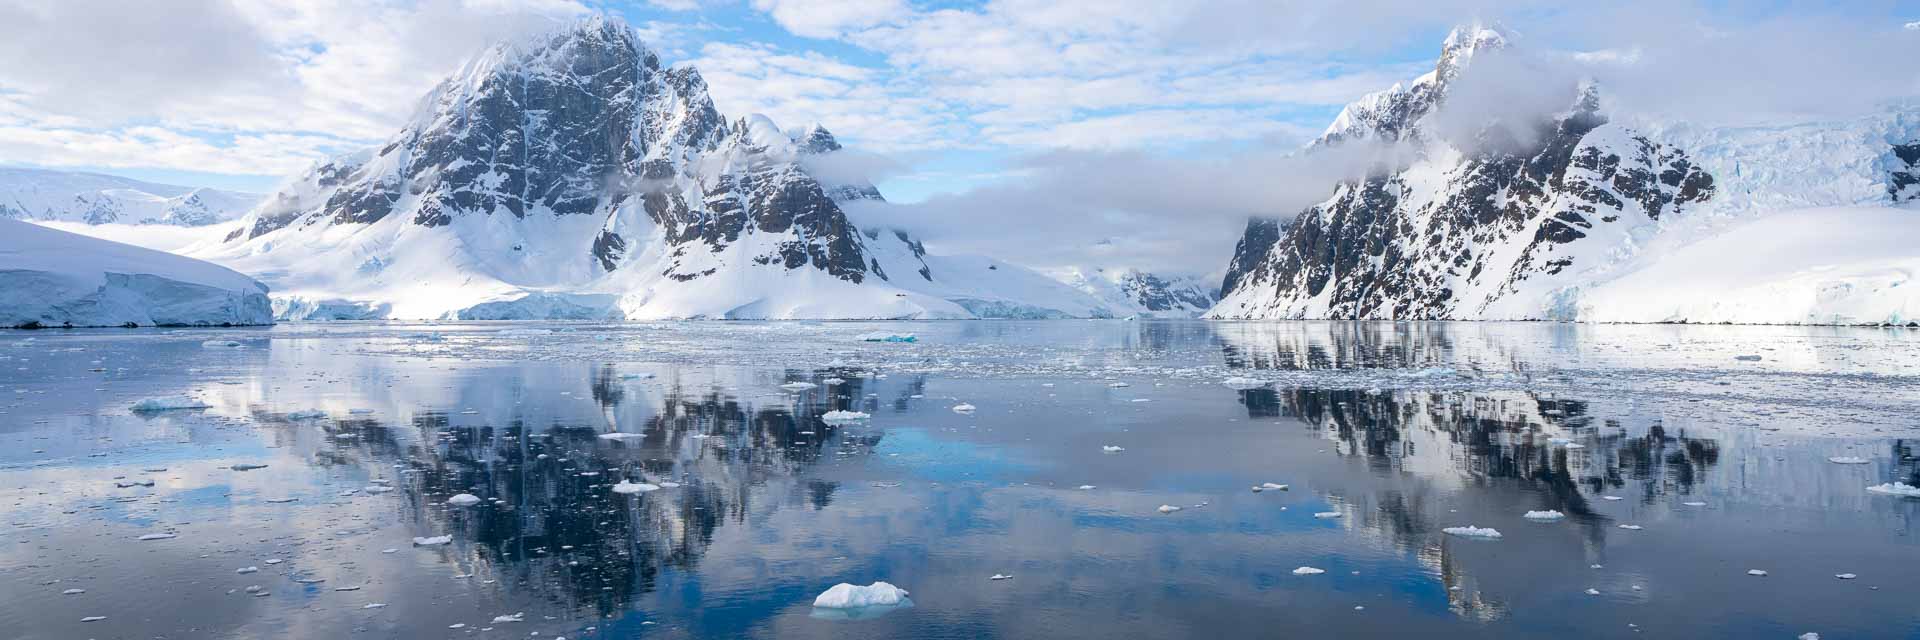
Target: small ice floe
[850,596]
[1574,445]
[220,344]
[168,403]
[1757,572]
[621,435]
[963,408]
[246,570]
[464,500]
[1631,527]
[1694,504]
[1470,531]
[1848,460]
[376,488]
[882,336]
[1593,592]
[1809,636]
[432,541]
[1000,576]
[844,417]
[133,483]
[1612,498]
[1544,516]
[1327,515]
[1845,576]
[1118,385]
[669,485]
[628,486]
[93,618]
[73,592]
[281,500]
[1167,508]
[1239,383]
[157,536]
[798,386]
[309,414]
[375,605]
[518,617]
[247,467]
[1896,489]
[1086,487]
[1270,486]
[1111,449]
[1308,571]
[834,381]
[348,588]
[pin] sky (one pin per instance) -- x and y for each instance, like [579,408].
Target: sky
[1146,130]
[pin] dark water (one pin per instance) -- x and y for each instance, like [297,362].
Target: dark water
[1402,430]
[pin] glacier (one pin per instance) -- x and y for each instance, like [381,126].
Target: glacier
[52,278]
[45,195]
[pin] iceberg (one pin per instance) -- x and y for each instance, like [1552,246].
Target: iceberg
[1544,516]
[1471,531]
[464,500]
[1896,489]
[627,486]
[849,596]
[168,403]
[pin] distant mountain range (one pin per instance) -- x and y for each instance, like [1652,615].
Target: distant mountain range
[91,198]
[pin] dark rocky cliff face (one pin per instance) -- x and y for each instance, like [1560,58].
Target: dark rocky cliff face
[586,121]
[1903,183]
[1463,227]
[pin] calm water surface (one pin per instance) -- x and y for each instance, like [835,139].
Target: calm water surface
[1384,433]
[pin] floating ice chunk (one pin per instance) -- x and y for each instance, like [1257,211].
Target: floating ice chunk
[1273,486]
[133,483]
[1118,385]
[963,408]
[798,386]
[1000,576]
[848,596]
[1111,449]
[1240,383]
[669,485]
[310,414]
[1848,460]
[464,500]
[1470,531]
[621,435]
[1086,487]
[1593,592]
[377,488]
[432,541]
[73,592]
[247,467]
[1167,508]
[626,486]
[168,403]
[93,618]
[1544,516]
[220,344]
[1845,576]
[1574,445]
[1327,515]
[246,570]
[1811,635]
[844,417]
[1756,572]
[281,500]
[882,336]
[1694,504]
[1896,489]
[1308,571]
[274,561]
[375,605]
[157,536]
[518,617]
[1631,527]
[1611,498]
[834,381]
[349,588]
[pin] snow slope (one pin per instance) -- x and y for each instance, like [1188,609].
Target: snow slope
[52,278]
[570,174]
[1853,265]
[1135,293]
[91,198]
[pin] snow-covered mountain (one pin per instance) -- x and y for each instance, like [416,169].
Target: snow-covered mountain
[1547,218]
[92,198]
[570,174]
[52,278]
[1132,292]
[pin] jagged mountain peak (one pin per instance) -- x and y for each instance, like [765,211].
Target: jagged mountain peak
[816,139]
[1395,114]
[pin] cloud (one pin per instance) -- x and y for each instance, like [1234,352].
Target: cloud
[829,18]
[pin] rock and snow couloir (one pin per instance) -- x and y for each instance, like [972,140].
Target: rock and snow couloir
[572,175]
[1582,215]
[52,278]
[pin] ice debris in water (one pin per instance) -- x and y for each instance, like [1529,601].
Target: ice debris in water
[169,403]
[220,344]
[621,435]
[1544,516]
[1896,489]
[844,417]
[1848,460]
[1846,576]
[244,570]
[849,596]
[1324,515]
[963,408]
[518,617]
[1631,527]
[432,541]
[798,386]
[1273,486]
[73,592]
[310,414]
[834,381]
[375,605]
[157,536]
[464,500]
[1308,571]
[93,618]
[1167,508]
[1593,592]
[1000,576]
[1240,383]
[627,486]
[1470,531]
[1111,449]
[1756,572]
[247,467]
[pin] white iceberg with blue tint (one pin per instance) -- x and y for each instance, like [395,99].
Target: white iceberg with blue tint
[851,596]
